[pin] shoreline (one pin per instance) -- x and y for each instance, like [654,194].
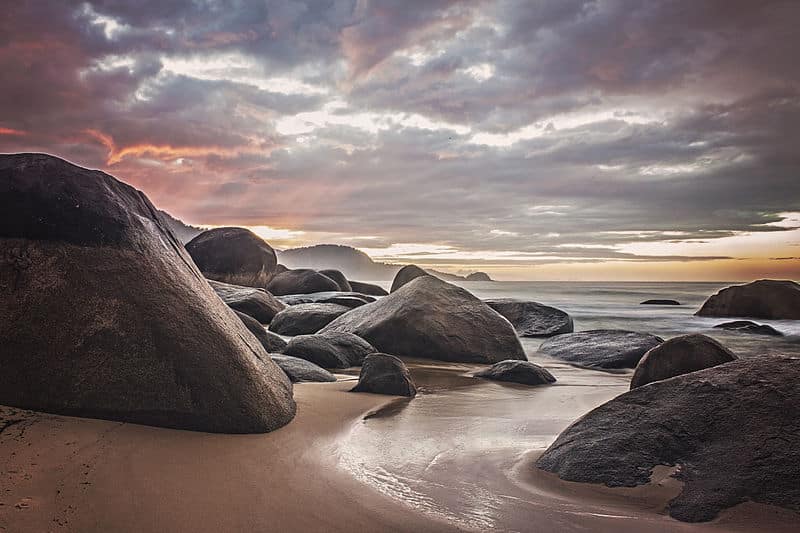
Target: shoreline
[72,474]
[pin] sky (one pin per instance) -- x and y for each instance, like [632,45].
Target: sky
[596,140]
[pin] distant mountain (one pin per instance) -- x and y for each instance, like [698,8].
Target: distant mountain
[184,232]
[354,263]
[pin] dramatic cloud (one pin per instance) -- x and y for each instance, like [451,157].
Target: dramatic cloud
[516,136]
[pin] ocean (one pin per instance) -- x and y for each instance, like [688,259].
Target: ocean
[464,448]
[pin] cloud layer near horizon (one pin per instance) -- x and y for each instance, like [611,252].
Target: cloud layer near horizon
[452,133]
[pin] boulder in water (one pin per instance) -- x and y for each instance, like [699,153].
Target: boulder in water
[385,374]
[257,303]
[406,274]
[300,281]
[339,278]
[515,371]
[731,430]
[660,302]
[134,332]
[270,341]
[331,349]
[303,319]
[602,349]
[478,276]
[433,319]
[765,298]
[233,255]
[368,288]
[680,355]
[532,319]
[297,369]
[746,326]
[347,299]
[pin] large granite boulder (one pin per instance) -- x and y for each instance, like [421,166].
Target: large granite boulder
[602,349]
[680,355]
[732,431]
[765,298]
[385,374]
[746,326]
[257,303]
[515,371]
[339,278]
[406,274]
[433,319]
[532,319]
[103,313]
[297,369]
[331,349]
[270,341]
[347,299]
[368,288]
[233,255]
[303,319]
[300,281]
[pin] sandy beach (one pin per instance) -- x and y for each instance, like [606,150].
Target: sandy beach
[74,474]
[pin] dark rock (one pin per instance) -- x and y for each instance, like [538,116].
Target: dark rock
[660,302]
[301,370]
[478,276]
[514,371]
[732,430]
[368,288]
[332,349]
[279,268]
[302,319]
[680,355]
[270,341]
[233,255]
[433,319]
[532,319]
[339,278]
[257,303]
[134,332]
[347,299]
[300,281]
[766,298]
[745,326]
[385,374]
[601,348]
[406,274]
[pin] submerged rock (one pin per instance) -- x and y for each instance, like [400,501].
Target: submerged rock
[233,255]
[514,371]
[385,374]
[368,288]
[766,298]
[532,319]
[256,303]
[601,348]
[433,319]
[331,349]
[406,274]
[297,369]
[270,341]
[303,319]
[680,355]
[732,430]
[347,299]
[660,302]
[300,281]
[134,332]
[339,278]
[746,326]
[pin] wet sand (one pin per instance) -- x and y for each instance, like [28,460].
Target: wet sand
[71,474]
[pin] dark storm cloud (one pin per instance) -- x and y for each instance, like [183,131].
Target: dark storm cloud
[557,129]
